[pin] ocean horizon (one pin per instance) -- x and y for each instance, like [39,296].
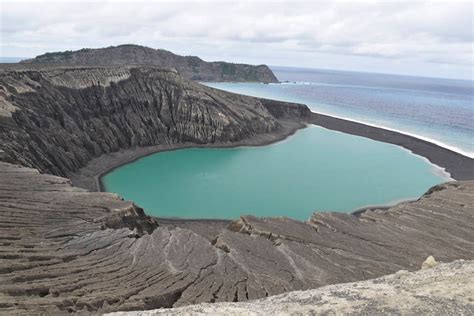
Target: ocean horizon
[437,110]
[11,59]
[447,104]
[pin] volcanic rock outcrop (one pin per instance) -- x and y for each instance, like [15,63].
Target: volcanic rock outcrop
[445,290]
[58,119]
[190,67]
[64,249]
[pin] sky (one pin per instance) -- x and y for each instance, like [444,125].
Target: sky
[424,38]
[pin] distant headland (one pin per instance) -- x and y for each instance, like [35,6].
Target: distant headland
[190,67]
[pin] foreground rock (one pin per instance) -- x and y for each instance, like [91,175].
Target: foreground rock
[445,290]
[191,67]
[63,249]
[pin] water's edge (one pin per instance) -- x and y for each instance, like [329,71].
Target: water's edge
[455,165]
[256,143]
[90,177]
[360,130]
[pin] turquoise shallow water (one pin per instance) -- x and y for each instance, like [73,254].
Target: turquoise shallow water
[314,170]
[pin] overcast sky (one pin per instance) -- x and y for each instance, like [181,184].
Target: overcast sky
[429,38]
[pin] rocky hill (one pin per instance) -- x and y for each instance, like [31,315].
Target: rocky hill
[58,119]
[445,290]
[190,67]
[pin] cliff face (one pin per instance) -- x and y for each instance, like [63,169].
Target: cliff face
[190,67]
[58,119]
[64,249]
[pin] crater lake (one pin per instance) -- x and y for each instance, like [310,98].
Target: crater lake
[314,170]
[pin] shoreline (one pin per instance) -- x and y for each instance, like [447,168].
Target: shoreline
[454,164]
[458,166]
[89,177]
[420,137]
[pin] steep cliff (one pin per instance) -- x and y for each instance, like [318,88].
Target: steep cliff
[190,67]
[58,119]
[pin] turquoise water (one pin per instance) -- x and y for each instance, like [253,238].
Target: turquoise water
[314,170]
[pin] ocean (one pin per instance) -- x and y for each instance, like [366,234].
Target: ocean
[437,110]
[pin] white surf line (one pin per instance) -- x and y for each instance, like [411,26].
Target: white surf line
[426,139]
[421,137]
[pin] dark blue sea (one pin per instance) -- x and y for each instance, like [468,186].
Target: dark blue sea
[438,110]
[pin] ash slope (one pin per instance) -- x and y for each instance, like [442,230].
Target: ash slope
[445,290]
[190,67]
[64,249]
[58,119]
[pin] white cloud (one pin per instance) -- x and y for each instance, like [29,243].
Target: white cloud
[285,32]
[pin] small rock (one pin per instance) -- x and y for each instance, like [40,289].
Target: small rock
[400,274]
[429,263]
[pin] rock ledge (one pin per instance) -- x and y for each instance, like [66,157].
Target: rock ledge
[445,290]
